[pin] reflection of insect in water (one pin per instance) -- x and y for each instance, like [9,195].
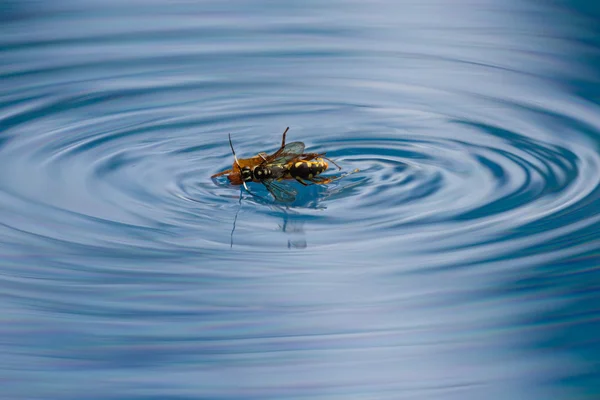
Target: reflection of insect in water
[288,162]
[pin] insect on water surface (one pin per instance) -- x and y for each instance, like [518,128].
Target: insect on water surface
[288,162]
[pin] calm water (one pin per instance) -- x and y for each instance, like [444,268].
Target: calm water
[460,263]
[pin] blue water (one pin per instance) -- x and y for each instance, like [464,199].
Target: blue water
[461,262]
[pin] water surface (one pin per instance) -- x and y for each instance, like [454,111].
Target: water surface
[461,262]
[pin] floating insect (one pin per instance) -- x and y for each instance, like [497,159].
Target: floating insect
[288,162]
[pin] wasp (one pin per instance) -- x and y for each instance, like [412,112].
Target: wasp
[288,162]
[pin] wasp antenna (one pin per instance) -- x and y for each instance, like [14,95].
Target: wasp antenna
[283,139]
[237,162]
[233,151]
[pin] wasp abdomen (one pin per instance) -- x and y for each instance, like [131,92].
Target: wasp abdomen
[307,169]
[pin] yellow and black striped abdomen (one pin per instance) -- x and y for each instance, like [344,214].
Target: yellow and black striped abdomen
[307,169]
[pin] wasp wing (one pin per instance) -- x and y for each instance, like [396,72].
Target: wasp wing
[280,191]
[286,154]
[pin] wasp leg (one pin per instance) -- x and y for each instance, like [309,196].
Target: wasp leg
[321,180]
[264,155]
[283,138]
[317,180]
[301,181]
[333,162]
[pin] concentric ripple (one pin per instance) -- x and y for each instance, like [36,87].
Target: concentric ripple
[478,191]
[148,172]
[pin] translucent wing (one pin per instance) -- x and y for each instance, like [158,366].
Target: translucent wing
[280,191]
[286,154]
